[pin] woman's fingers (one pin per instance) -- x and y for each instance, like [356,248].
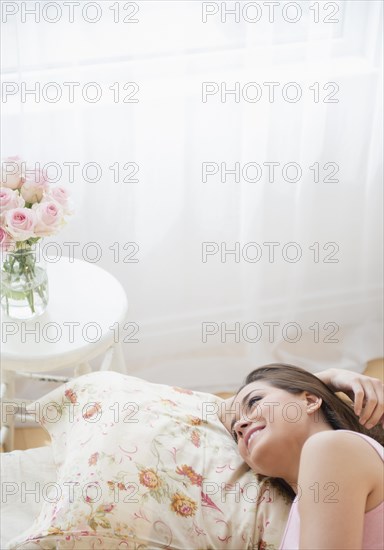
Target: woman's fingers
[372,410]
[357,395]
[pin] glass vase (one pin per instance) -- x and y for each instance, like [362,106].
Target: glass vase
[24,284]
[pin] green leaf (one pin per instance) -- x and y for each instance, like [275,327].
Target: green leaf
[92,524]
[105,523]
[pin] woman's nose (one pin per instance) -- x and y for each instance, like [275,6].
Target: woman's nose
[240,426]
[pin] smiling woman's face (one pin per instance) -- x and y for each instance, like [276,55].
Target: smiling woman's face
[270,426]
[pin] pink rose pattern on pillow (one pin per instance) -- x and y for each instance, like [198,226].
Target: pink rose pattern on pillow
[143,466]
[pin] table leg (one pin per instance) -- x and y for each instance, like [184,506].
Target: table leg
[118,361]
[82,368]
[8,410]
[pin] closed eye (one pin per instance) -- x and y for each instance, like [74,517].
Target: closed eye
[252,401]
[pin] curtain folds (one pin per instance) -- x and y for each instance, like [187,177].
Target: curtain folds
[292,188]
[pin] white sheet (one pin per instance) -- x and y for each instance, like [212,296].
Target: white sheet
[23,471]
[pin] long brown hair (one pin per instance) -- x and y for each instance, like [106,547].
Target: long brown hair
[338,413]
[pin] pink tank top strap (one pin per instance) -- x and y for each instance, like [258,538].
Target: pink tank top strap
[375,444]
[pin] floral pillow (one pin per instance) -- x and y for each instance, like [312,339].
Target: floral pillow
[143,466]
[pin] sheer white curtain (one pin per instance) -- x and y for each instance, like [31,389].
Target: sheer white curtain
[173,137]
[330,300]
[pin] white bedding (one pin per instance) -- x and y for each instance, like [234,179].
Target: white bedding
[23,471]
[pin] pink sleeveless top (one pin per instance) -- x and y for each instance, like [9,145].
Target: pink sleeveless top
[373,535]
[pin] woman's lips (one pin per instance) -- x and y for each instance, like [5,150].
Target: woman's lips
[251,434]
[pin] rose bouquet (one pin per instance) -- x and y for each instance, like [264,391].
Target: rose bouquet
[30,209]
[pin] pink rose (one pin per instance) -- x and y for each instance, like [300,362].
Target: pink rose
[11,172]
[61,196]
[20,223]
[107,508]
[10,199]
[6,241]
[34,186]
[49,218]
[93,459]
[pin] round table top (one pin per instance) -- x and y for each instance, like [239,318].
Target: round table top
[85,315]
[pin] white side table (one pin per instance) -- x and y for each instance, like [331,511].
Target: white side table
[84,318]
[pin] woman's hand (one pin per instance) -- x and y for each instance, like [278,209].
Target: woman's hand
[367,393]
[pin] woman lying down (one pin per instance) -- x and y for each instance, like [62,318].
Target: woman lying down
[288,424]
